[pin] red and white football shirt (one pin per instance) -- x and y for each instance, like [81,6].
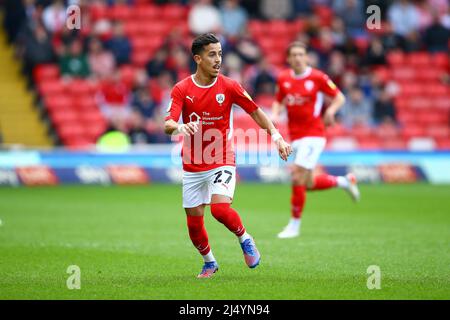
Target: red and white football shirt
[211,107]
[303,97]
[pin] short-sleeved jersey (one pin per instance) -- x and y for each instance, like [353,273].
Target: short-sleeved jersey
[210,106]
[303,97]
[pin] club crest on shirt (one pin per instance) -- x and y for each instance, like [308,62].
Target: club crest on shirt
[309,85]
[220,98]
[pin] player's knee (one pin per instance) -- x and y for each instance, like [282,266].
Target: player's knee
[298,178]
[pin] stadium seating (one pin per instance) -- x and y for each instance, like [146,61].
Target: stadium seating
[423,105]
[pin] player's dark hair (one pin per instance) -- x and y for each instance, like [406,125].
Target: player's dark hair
[201,41]
[296,44]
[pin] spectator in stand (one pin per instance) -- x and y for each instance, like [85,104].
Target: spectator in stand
[302,8]
[247,49]
[352,14]
[158,63]
[338,32]
[357,110]
[375,53]
[384,110]
[54,16]
[74,63]
[101,61]
[323,46]
[252,8]
[234,18]
[436,36]
[336,67]
[35,48]
[404,18]
[144,125]
[232,66]
[114,100]
[204,17]
[179,61]
[263,79]
[276,9]
[119,44]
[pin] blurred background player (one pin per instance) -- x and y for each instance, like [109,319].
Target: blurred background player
[205,101]
[301,90]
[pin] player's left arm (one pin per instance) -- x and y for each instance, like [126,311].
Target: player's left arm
[284,148]
[338,99]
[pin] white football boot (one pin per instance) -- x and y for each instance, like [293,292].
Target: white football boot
[352,188]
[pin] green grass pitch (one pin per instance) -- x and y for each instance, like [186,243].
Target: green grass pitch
[132,243]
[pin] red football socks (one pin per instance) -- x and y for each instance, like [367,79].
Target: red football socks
[324,181]
[298,200]
[229,217]
[197,233]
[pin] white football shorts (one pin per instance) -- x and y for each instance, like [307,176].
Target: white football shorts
[198,187]
[307,151]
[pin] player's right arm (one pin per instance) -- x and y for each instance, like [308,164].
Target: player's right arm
[171,125]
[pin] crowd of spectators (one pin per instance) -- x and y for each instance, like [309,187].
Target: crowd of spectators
[343,48]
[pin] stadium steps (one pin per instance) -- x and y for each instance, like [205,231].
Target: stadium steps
[19,120]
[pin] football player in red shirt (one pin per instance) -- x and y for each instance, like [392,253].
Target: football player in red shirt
[301,89]
[205,102]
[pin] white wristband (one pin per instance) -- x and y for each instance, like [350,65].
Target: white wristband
[178,129]
[276,136]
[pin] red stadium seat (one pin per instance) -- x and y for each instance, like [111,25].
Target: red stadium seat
[443,144]
[438,131]
[393,144]
[140,58]
[60,117]
[51,87]
[85,103]
[419,59]
[148,12]
[45,72]
[70,131]
[372,143]
[361,132]
[441,60]
[256,27]
[413,131]
[338,130]
[120,12]
[94,129]
[430,118]
[57,102]
[395,58]
[80,87]
[173,12]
